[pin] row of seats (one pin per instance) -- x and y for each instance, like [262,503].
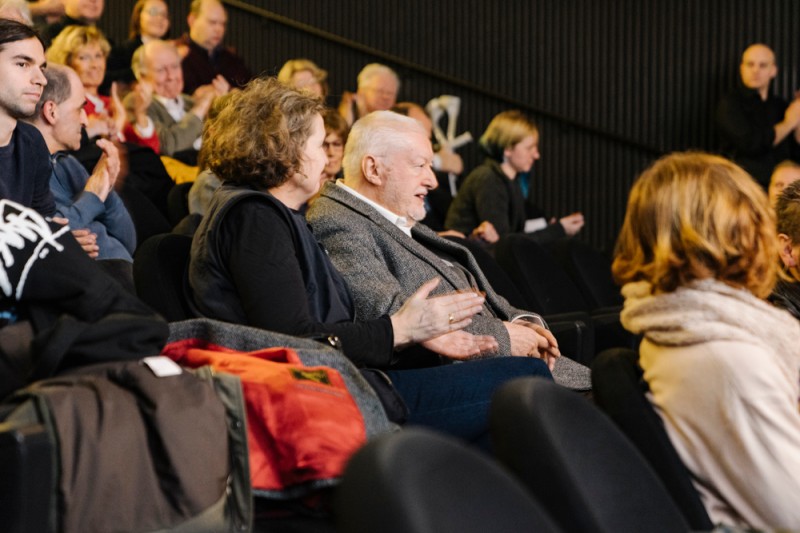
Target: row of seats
[567,468]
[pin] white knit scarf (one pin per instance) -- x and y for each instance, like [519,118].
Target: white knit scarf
[709,310]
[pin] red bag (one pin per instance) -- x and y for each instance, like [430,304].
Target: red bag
[303,425]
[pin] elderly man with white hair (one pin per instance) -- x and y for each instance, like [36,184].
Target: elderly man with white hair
[178,117]
[368,224]
[378,86]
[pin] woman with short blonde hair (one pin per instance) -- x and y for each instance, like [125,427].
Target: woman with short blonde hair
[696,256]
[490,204]
[304,74]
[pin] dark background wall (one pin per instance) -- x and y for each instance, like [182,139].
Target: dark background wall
[613,84]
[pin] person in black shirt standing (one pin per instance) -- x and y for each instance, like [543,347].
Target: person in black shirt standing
[758,129]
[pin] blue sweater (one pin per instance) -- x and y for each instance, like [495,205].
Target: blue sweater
[109,220]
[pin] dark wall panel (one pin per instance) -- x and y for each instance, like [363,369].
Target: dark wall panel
[612,84]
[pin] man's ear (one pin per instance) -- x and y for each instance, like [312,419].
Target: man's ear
[50,112]
[370,167]
[190,19]
[786,251]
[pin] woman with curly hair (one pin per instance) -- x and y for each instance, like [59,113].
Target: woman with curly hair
[696,256]
[254,261]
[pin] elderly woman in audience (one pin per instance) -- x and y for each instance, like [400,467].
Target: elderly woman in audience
[787,209]
[304,74]
[149,20]
[84,48]
[254,261]
[696,256]
[490,204]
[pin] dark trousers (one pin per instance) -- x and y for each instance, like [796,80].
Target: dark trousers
[455,398]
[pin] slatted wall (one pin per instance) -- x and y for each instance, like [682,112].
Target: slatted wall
[612,83]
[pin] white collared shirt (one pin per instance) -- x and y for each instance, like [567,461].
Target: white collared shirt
[400,222]
[174,106]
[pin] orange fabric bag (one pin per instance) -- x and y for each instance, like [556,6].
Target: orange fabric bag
[303,424]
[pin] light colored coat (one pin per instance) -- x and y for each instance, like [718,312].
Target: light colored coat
[723,370]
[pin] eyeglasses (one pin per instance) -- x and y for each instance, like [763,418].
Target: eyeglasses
[155,12]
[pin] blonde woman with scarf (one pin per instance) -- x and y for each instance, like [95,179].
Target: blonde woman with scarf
[696,255]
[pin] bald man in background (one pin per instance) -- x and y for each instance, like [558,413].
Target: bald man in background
[758,129]
[204,55]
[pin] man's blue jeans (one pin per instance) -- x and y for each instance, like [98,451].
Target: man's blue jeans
[455,398]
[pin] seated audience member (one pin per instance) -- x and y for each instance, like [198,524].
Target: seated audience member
[304,74]
[24,156]
[253,250]
[696,256]
[205,58]
[336,131]
[85,201]
[76,13]
[784,175]
[84,49]
[378,86]
[490,204]
[758,129]
[25,178]
[787,210]
[368,223]
[149,21]
[178,118]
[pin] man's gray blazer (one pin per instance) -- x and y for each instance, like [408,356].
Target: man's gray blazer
[383,266]
[172,136]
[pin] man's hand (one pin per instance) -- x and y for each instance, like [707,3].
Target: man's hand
[451,233]
[203,97]
[346,106]
[450,161]
[86,239]
[422,318]
[485,232]
[461,345]
[105,173]
[99,126]
[220,85]
[532,340]
[572,223]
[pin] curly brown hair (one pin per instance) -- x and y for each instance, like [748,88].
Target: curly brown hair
[259,136]
[787,211]
[693,216]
